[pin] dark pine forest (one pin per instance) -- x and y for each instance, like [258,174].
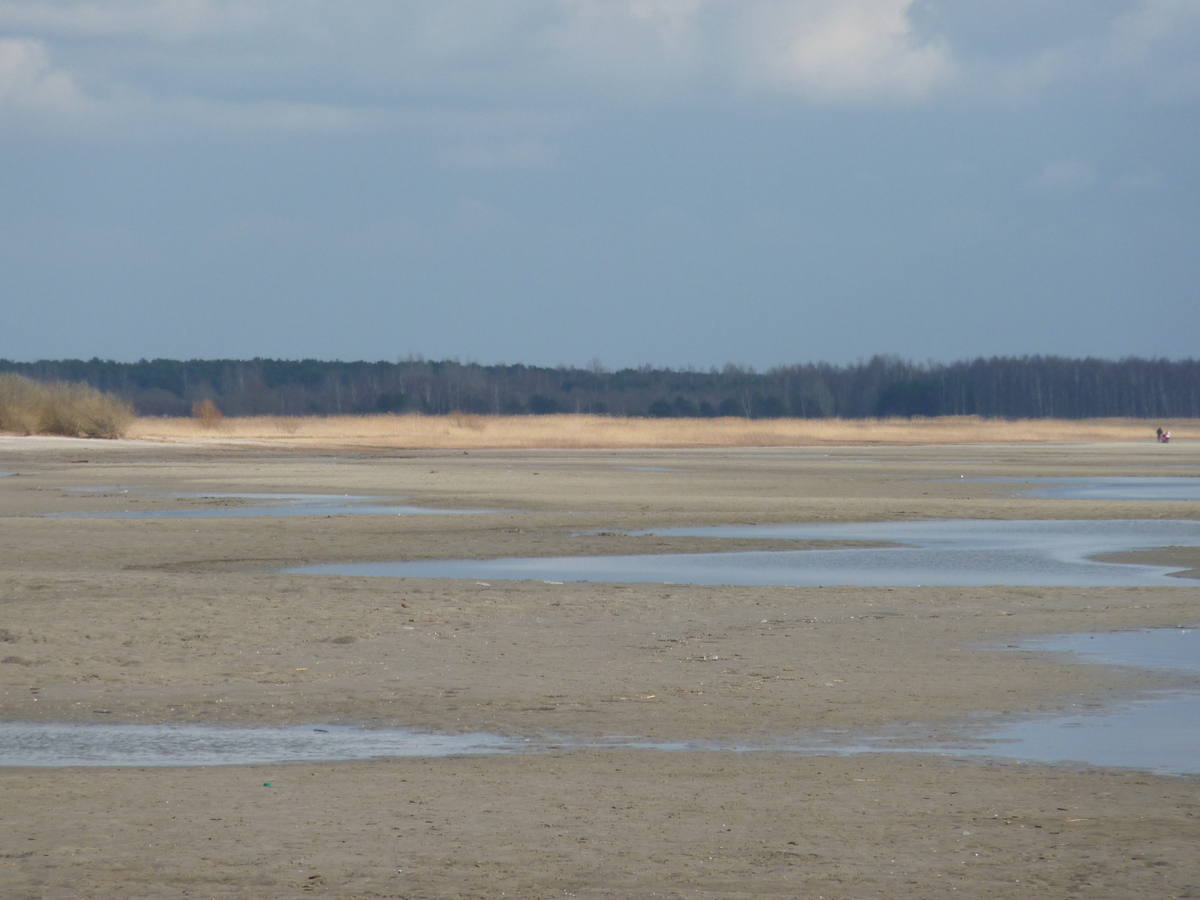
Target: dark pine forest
[1006,387]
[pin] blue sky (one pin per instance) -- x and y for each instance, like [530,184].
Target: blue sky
[674,182]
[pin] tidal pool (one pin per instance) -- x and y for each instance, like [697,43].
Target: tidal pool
[1183,487]
[1177,649]
[966,552]
[55,744]
[1159,733]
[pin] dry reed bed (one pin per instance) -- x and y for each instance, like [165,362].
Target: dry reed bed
[602,432]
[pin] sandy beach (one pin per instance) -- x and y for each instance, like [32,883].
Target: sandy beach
[189,620]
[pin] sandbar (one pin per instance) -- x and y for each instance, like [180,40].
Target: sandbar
[190,620]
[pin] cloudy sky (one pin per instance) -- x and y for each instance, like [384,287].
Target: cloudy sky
[675,182]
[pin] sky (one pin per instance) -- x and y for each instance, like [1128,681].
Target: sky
[681,183]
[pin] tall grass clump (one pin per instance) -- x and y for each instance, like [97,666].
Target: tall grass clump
[207,413]
[74,410]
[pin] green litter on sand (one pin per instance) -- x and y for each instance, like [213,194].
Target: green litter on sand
[266,784]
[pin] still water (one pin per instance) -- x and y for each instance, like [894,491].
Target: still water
[966,552]
[56,744]
[1159,733]
[1106,488]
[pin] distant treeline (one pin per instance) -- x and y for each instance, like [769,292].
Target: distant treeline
[1025,387]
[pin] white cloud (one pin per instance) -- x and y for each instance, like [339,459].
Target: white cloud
[636,48]
[1152,47]
[28,80]
[845,49]
[1157,45]
[1154,23]
[827,49]
[624,48]
[322,64]
[161,20]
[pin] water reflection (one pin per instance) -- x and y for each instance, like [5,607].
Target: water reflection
[965,552]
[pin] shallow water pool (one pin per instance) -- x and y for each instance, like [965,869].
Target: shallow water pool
[1160,733]
[966,552]
[1184,487]
[55,744]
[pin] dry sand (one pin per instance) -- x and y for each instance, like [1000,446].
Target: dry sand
[185,620]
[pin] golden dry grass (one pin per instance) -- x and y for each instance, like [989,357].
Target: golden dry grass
[207,413]
[76,410]
[467,432]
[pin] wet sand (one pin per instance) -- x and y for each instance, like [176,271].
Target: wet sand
[185,620]
[1185,559]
